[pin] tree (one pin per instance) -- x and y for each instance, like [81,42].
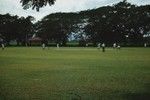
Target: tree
[24,28]
[7,27]
[55,27]
[15,28]
[36,3]
[121,23]
[99,28]
[118,22]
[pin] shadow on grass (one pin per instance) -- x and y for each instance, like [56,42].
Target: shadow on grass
[139,96]
[84,95]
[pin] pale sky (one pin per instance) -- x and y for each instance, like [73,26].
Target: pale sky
[14,6]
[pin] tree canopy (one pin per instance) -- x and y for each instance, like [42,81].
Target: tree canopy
[15,28]
[36,4]
[122,23]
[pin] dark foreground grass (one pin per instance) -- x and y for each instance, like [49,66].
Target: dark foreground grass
[74,74]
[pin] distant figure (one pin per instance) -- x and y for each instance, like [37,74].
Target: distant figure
[118,47]
[114,45]
[98,45]
[26,44]
[2,43]
[43,46]
[58,45]
[103,47]
[87,44]
[3,46]
[145,45]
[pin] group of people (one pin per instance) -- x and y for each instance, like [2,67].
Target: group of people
[44,46]
[116,46]
[99,45]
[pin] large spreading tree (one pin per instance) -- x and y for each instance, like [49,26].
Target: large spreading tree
[55,27]
[123,23]
[15,28]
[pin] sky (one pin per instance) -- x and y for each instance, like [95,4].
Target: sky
[14,6]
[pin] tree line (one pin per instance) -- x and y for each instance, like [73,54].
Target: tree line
[14,28]
[122,23]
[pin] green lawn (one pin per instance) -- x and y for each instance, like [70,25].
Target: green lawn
[74,74]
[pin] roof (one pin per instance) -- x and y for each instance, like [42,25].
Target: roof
[35,39]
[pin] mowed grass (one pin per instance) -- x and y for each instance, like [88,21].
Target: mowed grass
[30,73]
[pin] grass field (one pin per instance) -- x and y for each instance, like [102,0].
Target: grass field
[74,74]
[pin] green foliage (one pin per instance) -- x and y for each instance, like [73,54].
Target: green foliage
[56,27]
[36,3]
[15,28]
[123,23]
[113,24]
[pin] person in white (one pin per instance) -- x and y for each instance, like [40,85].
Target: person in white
[98,45]
[103,47]
[57,45]
[114,45]
[145,45]
[87,44]
[118,47]
[3,46]
[43,46]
